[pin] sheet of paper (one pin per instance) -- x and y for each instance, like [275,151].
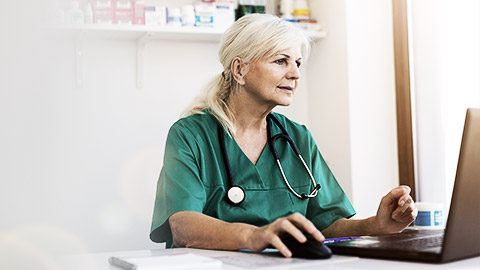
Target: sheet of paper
[166,261]
[271,259]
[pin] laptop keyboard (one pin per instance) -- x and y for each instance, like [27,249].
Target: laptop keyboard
[413,244]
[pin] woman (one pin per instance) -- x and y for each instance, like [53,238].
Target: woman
[227,132]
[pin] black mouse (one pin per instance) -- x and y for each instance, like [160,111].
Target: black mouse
[312,249]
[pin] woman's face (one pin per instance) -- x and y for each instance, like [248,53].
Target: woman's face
[273,80]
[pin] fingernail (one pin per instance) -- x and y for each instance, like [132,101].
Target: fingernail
[288,253]
[402,202]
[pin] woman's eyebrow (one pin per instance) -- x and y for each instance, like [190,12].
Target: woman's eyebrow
[288,56]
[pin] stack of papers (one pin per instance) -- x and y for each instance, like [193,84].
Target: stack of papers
[166,261]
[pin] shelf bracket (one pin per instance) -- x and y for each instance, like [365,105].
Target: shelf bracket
[141,41]
[79,59]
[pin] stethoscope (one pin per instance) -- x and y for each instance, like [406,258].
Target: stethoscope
[235,193]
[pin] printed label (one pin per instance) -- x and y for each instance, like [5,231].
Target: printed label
[438,218]
[423,218]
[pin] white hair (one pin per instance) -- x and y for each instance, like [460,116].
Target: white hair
[253,37]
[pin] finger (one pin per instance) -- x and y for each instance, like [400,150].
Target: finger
[392,197]
[306,225]
[404,203]
[287,226]
[401,209]
[280,246]
[410,213]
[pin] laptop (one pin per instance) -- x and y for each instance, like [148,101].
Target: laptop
[461,237]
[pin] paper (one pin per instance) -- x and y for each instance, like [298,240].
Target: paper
[166,261]
[271,258]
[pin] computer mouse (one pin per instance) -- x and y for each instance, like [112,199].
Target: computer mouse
[312,249]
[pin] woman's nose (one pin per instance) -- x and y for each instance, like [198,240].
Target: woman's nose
[294,72]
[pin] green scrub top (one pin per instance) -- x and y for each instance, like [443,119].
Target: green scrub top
[194,178]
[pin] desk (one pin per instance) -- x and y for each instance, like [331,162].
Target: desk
[99,261]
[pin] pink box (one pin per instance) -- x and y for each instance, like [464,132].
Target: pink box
[103,17]
[139,13]
[124,16]
[123,4]
[103,4]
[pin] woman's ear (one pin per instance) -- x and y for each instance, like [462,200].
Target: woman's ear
[238,70]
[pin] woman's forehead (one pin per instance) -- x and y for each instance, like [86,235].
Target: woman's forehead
[292,52]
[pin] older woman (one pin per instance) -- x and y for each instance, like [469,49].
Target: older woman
[232,176]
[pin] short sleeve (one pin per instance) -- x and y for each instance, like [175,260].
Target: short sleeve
[331,203]
[179,186]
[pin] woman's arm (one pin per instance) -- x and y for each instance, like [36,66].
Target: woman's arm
[193,229]
[396,211]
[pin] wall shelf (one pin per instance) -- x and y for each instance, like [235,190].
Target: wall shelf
[156,32]
[141,34]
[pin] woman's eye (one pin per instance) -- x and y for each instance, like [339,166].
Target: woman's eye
[298,64]
[281,61]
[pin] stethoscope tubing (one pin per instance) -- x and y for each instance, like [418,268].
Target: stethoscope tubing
[271,142]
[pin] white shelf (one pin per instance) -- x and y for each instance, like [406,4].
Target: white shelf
[141,34]
[205,34]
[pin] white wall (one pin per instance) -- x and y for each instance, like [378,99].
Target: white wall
[80,165]
[353,95]
[445,45]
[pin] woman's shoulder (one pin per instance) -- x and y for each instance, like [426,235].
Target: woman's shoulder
[194,124]
[289,124]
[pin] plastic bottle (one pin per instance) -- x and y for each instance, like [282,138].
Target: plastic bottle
[58,16]
[75,14]
[88,13]
[286,9]
[301,10]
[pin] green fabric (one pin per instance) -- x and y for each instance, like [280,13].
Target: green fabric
[194,178]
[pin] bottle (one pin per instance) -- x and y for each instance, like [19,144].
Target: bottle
[75,14]
[88,13]
[301,10]
[188,15]
[286,9]
[58,16]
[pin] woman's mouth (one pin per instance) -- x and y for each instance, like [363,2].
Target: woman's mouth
[286,88]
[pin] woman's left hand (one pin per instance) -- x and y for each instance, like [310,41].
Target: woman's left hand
[397,210]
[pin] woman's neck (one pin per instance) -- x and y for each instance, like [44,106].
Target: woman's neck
[248,115]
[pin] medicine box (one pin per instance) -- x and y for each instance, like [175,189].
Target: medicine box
[155,15]
[103,11]
[124,12]
[204,14]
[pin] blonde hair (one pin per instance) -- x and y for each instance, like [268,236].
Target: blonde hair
[252,37]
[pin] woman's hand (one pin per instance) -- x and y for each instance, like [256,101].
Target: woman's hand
[260,238]
[396,211]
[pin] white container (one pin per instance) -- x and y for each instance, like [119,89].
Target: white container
[188,15]
[430,215]
[286,9]
[88,14]
[224,15]
[75,14]
[155,15]
[174,17]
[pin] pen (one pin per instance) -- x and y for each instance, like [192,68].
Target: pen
[340,239]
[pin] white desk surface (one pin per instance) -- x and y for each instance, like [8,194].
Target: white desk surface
[99,261]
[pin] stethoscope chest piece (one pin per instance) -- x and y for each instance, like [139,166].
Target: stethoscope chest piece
[236,195]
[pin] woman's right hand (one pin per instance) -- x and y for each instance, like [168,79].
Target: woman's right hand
[260,238]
